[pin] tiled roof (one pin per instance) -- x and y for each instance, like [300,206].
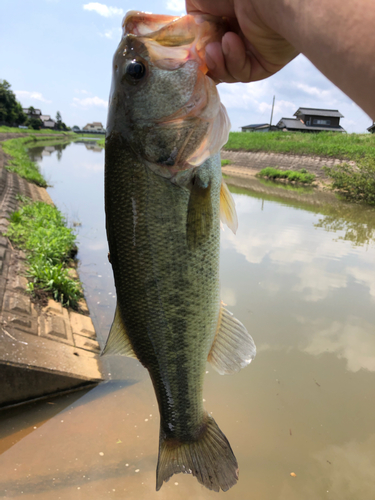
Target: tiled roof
[296,124]
[255,125]
[318,112]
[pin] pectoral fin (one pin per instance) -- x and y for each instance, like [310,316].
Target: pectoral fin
[233,347]
[228,213]
[118,341]
[199,217]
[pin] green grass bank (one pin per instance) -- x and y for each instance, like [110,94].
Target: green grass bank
[330,144]
[20,162]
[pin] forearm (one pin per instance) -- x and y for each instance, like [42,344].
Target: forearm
[336,36]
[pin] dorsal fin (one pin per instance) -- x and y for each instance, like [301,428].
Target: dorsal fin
[118,341]
[228,213]
[233,347]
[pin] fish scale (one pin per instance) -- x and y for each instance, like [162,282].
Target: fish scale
[168,295]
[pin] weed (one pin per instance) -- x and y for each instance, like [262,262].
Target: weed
[290,175]
[225,162]
[40,230]
[355,183]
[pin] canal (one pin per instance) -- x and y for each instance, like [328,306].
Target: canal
[300,275]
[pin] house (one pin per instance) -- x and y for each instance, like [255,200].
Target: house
[32,112]
[372,128]
[312,120]
[94,127]
[47,121]
[259,127]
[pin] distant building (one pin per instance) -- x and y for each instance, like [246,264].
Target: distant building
[259,127]
[372,129]
[312,120]
[94,127]
[47,121]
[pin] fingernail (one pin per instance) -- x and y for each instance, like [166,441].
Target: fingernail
[209,61]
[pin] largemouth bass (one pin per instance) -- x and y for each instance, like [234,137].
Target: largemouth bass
[164,196]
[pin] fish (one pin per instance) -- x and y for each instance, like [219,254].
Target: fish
[165,199]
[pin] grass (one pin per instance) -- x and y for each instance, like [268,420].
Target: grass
[40,230]
[355,183]
[21,163]
[101,143]
[327,144]
[291,175]
[225,162]
[16,130]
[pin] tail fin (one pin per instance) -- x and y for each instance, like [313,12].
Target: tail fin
[210,459]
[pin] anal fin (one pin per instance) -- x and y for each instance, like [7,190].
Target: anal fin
[118,341]
[233,347]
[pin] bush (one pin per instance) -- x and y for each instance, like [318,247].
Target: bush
[355,183]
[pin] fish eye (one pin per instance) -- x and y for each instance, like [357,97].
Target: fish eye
[135,71]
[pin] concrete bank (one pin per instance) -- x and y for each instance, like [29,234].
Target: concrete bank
[44,351]
[249,163]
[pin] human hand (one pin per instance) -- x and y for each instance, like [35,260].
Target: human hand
[251,50]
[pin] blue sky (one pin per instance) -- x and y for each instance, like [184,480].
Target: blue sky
[57,54]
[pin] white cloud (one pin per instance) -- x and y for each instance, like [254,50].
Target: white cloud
[25,94]
[80,91]
[363,276]
[176,5]
[112,33]
[88,102]
[103,10]
[353,341]
[315,91]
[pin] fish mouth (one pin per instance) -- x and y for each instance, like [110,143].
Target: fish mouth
[173,40]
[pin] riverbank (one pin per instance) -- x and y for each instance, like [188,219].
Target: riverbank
[43,350]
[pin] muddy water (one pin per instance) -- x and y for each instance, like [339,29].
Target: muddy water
[300,274]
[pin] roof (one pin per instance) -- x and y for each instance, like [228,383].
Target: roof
[35,112]
[296,124]
[97,123]
[256,125]
[318,112]
[372,128]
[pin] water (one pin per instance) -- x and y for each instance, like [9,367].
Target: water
[300,275]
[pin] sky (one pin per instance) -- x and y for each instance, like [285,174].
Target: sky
[57,55]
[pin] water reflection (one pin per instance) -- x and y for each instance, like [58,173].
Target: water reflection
[300,276]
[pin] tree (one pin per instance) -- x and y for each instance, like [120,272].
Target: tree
[10,109]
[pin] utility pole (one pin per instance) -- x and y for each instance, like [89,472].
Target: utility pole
[273,104]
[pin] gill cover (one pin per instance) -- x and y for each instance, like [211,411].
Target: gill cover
[161,99]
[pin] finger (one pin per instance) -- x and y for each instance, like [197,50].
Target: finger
[237,61]
[216,63]
[222,8]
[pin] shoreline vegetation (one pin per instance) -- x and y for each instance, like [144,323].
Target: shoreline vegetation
[40,229]
[299,176]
